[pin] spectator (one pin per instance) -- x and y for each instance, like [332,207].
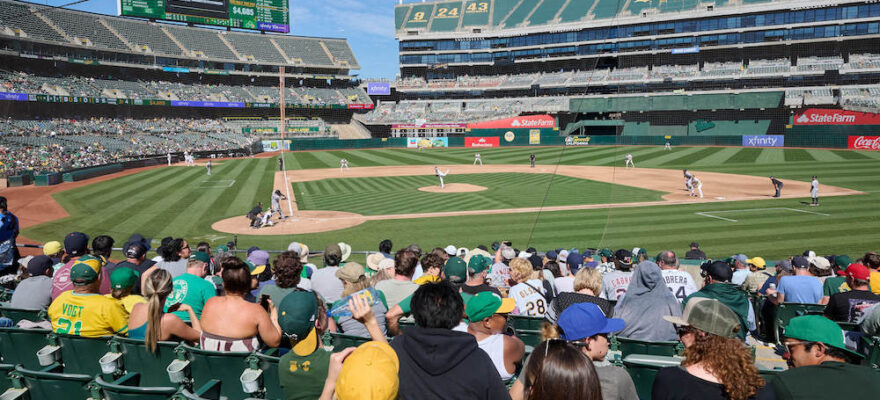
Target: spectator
[606,261]
[55,251]
[122,282]
[76,245]
[8,234]
[836,284]
[401,286]
[740,269]
[174,257]
[478,270]
[102,246]
[529,293]
[432,265]
[820,267]
[695,253]
[135,258]
[562,282]
[850,306]
[872,261]
[324,280]
[385,247]
[354,280]
[802,287]
[716,277]
[260,260]
[288,274]
[79,312]
[149,323]
[165,241]
[373,263]
[455,271]
[647,300]
[231,323]
[191,288]
[499,273]
[758,275]
[820,359]
[308,269]
[35,291]
[614,283]
[558,371]
[587,284]
[259,273]
[716,365]
[487,313]
[679,282]
[385,272]
[452,368]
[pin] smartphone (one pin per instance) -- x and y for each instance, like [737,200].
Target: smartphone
[264,302]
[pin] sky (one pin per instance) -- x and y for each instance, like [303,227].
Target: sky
[367,24]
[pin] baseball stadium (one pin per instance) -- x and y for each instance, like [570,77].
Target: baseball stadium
[637,148]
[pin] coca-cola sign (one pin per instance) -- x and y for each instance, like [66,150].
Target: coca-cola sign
[820,116]
[864,143]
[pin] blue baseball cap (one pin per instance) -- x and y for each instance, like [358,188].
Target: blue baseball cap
[583,320]
[552,254]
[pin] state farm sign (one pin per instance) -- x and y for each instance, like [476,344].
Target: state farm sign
[491,141]
[864,143]
[819,116]
[525,122]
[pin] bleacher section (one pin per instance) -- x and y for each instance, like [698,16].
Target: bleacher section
[145,36]
[202,42]
[255,48]
[80,27]
[460,111]
[306,51]
[25,22]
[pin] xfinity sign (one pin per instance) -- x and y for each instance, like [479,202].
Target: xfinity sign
[763,141]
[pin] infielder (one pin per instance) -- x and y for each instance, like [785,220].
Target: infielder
[477,158]
[629,161]
[343,164]
[208,165]
[668,147]
[814,191]
[777,184]
[687,180]
[696,184]
[532,159]
[440,175]
[276,204]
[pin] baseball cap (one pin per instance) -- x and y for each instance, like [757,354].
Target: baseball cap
[563,256]
[695,245]
[123,277]
[297,313]
[817,328]
[855,271]
[373,261]
[718,270]
[135,250]
[462,252]
[551,254]
[708,315]
[255,269]
[486,304]
[820,262]
[295,247]
[51,248]
[588,253]
[757,262]
[842,261]
[85,272]
[251,250]
[583,320]
[800,262]
[38,265]
[138,238]
[785,265]
[639,250]
[451,250]
[345,251]
[623,256]
[574,261]
[351,272]
[741,258]
[76,243]
[524,255]
[259,258]
[332,249]
[200,256]
[369,372]
[508,253]
[386,263]
[455,270]
[477,264]
[606,253]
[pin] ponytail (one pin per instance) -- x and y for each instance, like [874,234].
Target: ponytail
[156,289]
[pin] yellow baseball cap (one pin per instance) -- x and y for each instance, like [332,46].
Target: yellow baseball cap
[370,372]
[51,248]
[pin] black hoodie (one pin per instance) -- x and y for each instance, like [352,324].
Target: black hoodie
[445,364]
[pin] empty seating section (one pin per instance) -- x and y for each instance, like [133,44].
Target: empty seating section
[419,16]
[446,17]
[84,26]
[819,63]
[519,14]
[546,12]
[677,5]
[400,16]
[809,96]
[863,61]
[865,98]
[201,41]
[340,51]
[307,50]
[675,71]
[637,6]
[722,68]
[476,13]
[500,10]
[576,10]
[142,34]
[460,111]
[607,8]
[765,67]
[20,16]
[255,48]
[629,74]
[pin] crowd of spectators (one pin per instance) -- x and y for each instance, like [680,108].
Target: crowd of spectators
[458,342]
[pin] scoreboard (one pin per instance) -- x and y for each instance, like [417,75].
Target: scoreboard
[262,15]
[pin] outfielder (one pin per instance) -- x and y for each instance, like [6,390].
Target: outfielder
[441,175]
[276,204]
[208,165]
[629,161]
[343,164]
[668,147]
[478,159]
[696,184]
[814,191]
[687,180]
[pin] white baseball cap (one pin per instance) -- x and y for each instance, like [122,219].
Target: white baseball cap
[451,250]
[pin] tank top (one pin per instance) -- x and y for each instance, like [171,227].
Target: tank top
[494,347]
[138,333]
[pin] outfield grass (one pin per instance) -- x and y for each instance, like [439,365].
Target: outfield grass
[172,201]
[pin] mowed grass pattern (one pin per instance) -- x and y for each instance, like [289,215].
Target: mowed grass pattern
[400,194]
[168,201]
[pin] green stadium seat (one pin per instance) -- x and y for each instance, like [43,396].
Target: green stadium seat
[871,345]
[786,311]
[151,367]
[271,384]
[529,337]
[50,385]
[524,322]
[5,295]
[216,371]
[80,355]
[340,341]
[5,380]
[20,346]
[642,347]
[19,314]
[643,369]
[127,388]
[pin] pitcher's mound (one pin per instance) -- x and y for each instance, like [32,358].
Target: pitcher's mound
[454,188]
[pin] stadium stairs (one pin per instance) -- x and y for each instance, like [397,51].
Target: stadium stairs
[352,130]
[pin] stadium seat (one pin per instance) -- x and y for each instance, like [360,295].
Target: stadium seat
[212,371]
[80,355]
[269,366]
[786,311]
[19,314]
[50,385]
[871,345]
[5,380]
[126,388]
[643,369]
[20,346]
[632,346]
[340,341]
[523,322]
[529,337]
[137,359]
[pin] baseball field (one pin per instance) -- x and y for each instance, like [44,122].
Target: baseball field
[574,197]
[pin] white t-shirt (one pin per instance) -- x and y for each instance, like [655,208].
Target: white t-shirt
[528,300]
[564,284]
[614,284]
[680,283]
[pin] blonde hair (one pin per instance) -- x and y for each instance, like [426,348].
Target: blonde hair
[521,270]
[156,289]
[354,287]
[381,275]
[588,278]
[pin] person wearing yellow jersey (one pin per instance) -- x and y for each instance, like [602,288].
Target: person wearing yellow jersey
[122,282]
[431,264]
[83,311]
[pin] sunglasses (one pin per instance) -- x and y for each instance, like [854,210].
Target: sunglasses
[790,345]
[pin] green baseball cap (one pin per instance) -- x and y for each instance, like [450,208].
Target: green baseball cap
[123,278]
[297,313]
[606,253]
[83,273]
[477,264]
[486,304]
[455,270]
[842,261]
[200,256]
[255,269]
[817,328]
[708,315]
[223,248]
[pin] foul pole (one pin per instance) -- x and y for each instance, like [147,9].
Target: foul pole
[283,127]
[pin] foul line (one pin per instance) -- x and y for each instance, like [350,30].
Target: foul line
[710,214]
[218,185]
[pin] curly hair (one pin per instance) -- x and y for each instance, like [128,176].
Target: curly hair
[288,269]
[727,359]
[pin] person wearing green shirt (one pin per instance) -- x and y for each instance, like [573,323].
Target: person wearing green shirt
[191,288]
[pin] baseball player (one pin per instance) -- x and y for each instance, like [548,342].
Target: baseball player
[208,165]
[814,191]
[777,184]
[169,159]
[440,175]
[696,185]
[629,161]
[343,164]
[280,163]
[478,159]
[687,180]
[668,147]
[276,204]
[532,159]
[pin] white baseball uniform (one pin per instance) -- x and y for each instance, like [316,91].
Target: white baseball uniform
[343,163]
[696,184]
[629,161]
[668,146]
[441,175]
[478,159]
[276,205]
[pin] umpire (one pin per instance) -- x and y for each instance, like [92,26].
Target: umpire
[777,184]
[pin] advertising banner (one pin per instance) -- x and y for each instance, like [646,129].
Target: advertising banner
[427,126]
[577,141]
[227,104]
[819,116]
[274,145]
[490,141]
[360,106]
[763,141]
[526,121]
[13,96]
[864,143]
[534,136]
[378,88]
[427,142]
